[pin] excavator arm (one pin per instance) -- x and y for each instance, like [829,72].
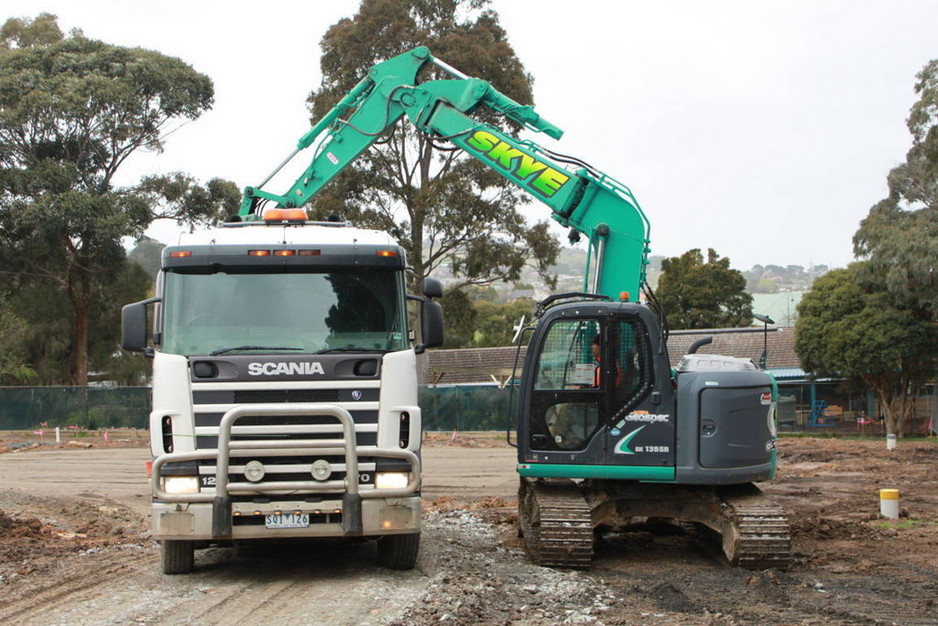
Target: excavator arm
[584,199]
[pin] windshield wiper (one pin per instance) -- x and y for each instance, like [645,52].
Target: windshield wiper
[351,349]
[224,350]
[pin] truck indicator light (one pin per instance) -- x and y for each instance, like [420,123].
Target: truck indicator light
[258,252]
[386,253]
[310,252]
[284,215]
[284,252]
[179,254]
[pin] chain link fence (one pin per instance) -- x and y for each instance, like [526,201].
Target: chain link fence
[465,408]
[87,408]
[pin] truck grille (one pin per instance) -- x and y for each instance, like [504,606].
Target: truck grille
[210,405]
[274,396]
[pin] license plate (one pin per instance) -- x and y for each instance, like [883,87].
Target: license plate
[287,520]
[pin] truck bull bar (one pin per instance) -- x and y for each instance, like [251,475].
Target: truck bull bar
[347,446]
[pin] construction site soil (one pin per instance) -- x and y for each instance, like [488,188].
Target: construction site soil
[75,549]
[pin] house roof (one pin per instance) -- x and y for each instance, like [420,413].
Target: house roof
[480,366]
[472,365]
[747,343]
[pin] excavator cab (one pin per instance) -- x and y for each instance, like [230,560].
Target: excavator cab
[598,433]
[597,398]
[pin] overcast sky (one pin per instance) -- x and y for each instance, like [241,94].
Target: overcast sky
[762,129]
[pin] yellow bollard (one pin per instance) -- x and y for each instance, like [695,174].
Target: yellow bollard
[889,503]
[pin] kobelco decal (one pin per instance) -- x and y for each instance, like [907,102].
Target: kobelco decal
[648,418]
[288,369]
[522,167]
[623,446]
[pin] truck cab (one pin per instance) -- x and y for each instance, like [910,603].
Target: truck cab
[284,388]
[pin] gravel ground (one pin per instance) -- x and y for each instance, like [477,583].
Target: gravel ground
[79,556]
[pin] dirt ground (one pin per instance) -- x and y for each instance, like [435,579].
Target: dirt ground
[75,549]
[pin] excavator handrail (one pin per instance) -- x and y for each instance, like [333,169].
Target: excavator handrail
[547,302]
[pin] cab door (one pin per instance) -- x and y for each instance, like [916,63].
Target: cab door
[639,420]
[592,390]
[566,406]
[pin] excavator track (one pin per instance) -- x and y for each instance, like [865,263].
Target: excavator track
[555,523]
[758,535]
[753,531]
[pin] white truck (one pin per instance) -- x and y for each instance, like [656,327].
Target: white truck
[284,387]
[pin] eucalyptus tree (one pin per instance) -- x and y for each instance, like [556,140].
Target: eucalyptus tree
[694,293]
[850,329]
[899,236]
[72,111]
[875,321]
[443,206]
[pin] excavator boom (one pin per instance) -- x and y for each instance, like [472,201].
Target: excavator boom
[590,202]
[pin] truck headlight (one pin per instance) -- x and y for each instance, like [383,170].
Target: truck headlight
[391,480]
[180,484]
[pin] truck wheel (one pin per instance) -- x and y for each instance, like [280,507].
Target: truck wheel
[398,551]
[178,557]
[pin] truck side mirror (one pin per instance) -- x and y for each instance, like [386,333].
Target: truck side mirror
[431,325]
[134,325]
[432,288]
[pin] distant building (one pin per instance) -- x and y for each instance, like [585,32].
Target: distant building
[781,306]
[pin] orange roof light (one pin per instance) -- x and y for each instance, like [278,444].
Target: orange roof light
[258,252]
[386,253]
[285,215]
[310,252]
[284,252]
[623,296]
[179,254]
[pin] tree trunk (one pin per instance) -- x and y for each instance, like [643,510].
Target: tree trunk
[889,417]
[79,293]
[885,393]
[897,405]
[906,409]
[417,213]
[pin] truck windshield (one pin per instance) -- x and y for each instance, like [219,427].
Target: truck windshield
[297,312]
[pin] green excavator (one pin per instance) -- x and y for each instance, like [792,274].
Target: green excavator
[609,436]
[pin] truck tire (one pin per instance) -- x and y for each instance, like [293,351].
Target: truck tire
[178,556]
[399,551]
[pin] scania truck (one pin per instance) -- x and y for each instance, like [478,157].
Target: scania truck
[284,387]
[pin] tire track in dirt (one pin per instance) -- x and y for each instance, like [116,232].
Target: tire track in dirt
[336,584]
[85,581]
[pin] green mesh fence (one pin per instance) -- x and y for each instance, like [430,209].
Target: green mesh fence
[465,408]
[88,408]
[23,408]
